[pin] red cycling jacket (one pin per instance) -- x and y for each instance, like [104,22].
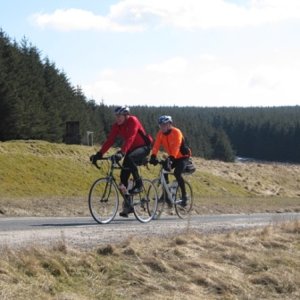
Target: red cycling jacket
[129,132]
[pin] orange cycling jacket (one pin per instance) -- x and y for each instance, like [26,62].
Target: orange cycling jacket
[171,143]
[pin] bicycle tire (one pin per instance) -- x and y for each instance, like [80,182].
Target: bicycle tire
[103,200]
[184,212]
[161,193]
[145,203]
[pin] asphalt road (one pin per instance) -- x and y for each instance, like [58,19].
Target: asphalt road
[84,232]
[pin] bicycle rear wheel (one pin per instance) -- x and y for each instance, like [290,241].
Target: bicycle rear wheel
[145,202]
[184,212]
[103,200]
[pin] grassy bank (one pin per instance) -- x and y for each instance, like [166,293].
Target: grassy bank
[41,178]
[41,169]
[38,169]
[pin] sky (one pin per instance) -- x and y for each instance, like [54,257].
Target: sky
[208,53]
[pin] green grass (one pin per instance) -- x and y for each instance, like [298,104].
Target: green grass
[37,168]
[206,184]
[38,177]
[44,169]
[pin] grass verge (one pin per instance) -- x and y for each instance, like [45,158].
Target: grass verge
[252,264]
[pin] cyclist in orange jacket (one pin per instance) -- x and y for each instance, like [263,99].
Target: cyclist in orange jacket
[171,138]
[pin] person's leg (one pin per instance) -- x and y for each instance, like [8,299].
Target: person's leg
[124,176]
[179,165]
[127,207]
[131,161]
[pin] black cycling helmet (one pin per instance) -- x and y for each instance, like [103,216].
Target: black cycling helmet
[122,110]
[164,119]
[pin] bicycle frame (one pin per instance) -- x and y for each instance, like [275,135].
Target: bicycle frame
[113,165]
[144,203]
[165,184]
[174,197]
[110,174]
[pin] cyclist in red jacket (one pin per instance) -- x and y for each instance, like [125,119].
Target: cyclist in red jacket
[134,150]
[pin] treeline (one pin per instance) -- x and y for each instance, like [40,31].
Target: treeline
[263,133]
[37,100]
[266,133]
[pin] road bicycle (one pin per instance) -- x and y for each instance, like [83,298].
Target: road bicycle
[104,197]
[171,194]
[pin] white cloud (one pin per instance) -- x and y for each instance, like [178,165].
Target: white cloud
[107,73]
[221,76]
[112,89]
[174,81]
[136,15]
[244,68]
[266,77]
[204,82]
[78,19]
[171,66]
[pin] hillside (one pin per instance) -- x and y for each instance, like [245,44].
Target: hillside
[42,178]
[261,179]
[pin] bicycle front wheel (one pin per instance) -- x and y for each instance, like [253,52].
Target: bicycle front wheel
[103,200]
[145,202]
[184,212]
[162,195]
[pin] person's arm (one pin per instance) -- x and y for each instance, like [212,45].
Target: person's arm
[130,134]
[153,159]
[157,144]
[110,139]
[176,142]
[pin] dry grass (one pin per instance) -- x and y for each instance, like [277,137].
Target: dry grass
[258,179]
[253,264]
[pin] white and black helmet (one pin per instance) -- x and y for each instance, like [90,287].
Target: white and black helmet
[122,110]
[164,119]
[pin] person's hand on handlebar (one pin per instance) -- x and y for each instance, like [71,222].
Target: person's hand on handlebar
[95,157]
[153,160]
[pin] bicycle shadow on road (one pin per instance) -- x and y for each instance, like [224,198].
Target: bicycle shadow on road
[78,224]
